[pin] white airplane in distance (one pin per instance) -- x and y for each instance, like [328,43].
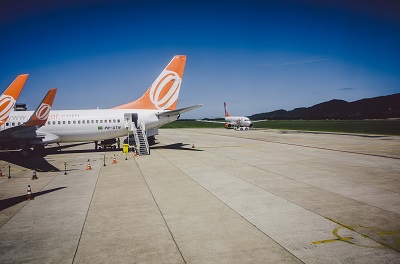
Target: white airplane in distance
[10,96]
[236,122]
[27,131]
[142,117]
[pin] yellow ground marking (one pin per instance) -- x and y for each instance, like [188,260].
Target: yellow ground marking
[332,240]
[377,231]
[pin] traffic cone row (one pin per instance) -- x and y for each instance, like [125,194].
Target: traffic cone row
[88,165]
[29,193]
[34,176]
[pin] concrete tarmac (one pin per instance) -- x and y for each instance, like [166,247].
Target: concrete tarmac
[209,196]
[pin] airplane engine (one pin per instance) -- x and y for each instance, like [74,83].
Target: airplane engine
[228,125]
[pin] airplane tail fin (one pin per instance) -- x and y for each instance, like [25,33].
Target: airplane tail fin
[10,96]
[163,93]
[39,117]
[226,110]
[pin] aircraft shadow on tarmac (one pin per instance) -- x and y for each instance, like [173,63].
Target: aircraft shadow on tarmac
[6,203]
[178,146]
[36,160]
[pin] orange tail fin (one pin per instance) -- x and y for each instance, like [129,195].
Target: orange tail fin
[39,117]
[163,93]
[10,96]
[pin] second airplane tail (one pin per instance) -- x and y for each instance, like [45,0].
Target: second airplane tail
[226,110]
[163,93]
[39,117]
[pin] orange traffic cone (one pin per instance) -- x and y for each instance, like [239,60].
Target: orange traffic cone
[34,176]
[88,165]
[114,160]
[193,145]
[29,194]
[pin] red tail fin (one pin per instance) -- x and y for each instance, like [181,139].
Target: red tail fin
[226,110]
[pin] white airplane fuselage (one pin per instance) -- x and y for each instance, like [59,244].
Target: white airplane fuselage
[89,125]
[239,121]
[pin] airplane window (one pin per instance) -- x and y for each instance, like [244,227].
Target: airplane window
[114,121]
[105,121]
[101,121]
[109,121]
[74,122]
[7,124]
[63,122]
[79,121]
[19,123]
[92,121]
[13,124]
[88,121]
[83,121]
[69,122]
[48,122]
[97,121]
[59,122]
[54,122]
[118,120]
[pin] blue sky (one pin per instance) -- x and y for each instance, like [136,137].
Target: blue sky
[258,56]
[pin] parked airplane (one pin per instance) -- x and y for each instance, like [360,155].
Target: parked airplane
[18,134]
[10,96]
[239,122]
[236,122]
[142,117]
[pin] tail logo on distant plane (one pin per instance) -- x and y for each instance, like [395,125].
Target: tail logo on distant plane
[6,105]
[165,89]
[43,112]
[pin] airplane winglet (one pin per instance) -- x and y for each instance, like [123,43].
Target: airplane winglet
[179,111]
[39,117]
[10,96]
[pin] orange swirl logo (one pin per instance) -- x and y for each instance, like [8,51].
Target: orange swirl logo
[165,89]
[43,111]
[6,106]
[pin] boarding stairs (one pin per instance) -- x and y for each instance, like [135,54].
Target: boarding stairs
[142,145]
[139,133]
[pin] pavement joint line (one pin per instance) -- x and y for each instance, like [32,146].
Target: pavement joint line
[159,209]
[305,146]
[26,203]
[87,212]
[238,161]
[241,216]
[342,225]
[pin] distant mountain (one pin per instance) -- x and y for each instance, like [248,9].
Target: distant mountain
[381,107]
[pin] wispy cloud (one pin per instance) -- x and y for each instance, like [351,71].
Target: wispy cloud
[304,61]
[347,89]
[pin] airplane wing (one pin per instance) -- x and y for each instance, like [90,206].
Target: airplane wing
[211,121]
[179,111]
[27,131]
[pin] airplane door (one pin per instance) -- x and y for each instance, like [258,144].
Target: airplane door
[130,121]
[135,119]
